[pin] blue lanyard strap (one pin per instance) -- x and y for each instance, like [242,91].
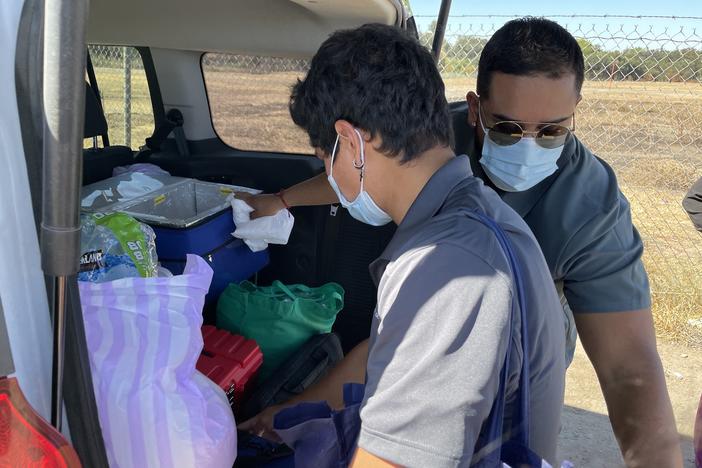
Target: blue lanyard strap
[494,424]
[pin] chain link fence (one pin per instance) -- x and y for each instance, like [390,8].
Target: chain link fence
[641,111]
[249,101]
[125,94]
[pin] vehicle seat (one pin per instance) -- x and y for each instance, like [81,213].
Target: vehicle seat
[98,163]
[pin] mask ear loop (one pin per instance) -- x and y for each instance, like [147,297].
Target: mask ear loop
[363,154]
[480,118]
[362,165]
[333,154]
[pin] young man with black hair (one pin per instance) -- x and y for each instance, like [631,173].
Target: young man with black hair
[374,107]
[518,133]
[517,129]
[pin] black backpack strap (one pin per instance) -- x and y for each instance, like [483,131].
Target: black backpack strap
[303,369]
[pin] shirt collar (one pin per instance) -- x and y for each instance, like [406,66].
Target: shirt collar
[429,201]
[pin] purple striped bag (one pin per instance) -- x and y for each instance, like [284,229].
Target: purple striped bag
[144,339]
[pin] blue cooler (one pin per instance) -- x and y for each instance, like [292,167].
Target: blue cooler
[194,217]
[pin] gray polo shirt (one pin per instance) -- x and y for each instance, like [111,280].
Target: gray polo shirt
[583,224]
[439,332]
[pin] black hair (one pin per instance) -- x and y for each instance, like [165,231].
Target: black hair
[530,46]
[380,80]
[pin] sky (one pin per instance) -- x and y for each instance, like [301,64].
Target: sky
[589,7]
[680,8]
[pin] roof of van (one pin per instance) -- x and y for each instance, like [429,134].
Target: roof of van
[286,28]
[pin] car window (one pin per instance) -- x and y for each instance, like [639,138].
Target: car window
[248,98]
[124,93]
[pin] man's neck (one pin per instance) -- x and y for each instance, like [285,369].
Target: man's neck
[409,179]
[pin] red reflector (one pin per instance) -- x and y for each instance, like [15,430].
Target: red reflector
[26,439]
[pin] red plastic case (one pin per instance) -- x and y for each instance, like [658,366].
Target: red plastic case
[231,361]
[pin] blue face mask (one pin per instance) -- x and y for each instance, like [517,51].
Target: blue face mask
[520,166]
[363,208]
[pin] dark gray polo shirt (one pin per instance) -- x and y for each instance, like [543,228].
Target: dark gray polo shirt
[583,224]
[693,204]
[439,333]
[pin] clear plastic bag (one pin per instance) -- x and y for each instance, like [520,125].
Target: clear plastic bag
[115,246]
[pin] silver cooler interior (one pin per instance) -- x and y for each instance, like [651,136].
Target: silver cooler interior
[159,199]
[181,205]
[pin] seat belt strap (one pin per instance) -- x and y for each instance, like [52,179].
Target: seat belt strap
[173,123]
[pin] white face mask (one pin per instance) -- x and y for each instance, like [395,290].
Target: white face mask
[362,208]
[520,166]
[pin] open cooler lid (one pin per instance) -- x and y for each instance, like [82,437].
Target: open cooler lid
[110,194]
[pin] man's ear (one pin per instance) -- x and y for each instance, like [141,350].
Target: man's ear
[344,129]
[473,102]
[349,144]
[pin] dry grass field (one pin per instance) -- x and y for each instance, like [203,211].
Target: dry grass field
[648,132]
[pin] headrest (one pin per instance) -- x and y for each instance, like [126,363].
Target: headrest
[95,123]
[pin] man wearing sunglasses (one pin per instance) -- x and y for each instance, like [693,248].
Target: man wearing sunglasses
[518,131]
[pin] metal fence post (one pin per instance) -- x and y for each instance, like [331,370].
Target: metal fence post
[127,65]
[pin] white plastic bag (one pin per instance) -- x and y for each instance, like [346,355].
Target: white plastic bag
[144,339]
[258,233]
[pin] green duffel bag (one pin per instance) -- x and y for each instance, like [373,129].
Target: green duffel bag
[279,318]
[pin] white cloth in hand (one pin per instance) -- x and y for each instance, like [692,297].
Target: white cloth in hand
[258,233]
